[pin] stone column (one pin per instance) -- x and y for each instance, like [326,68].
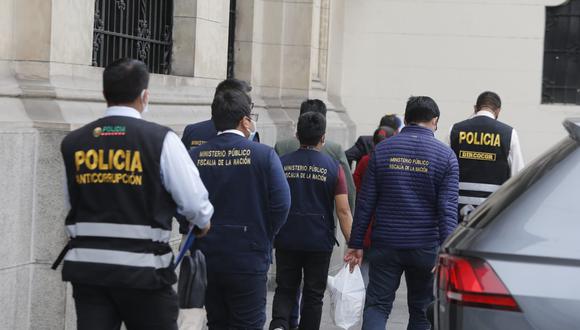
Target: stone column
[200,38]
[31,128]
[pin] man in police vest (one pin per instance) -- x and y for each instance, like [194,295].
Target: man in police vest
[197,134]
[488,152]
[305,242]
[249,191]
[126,178]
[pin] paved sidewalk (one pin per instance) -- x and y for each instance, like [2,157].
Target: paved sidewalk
[397,320]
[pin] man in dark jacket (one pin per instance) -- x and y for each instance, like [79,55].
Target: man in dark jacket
[411,186]
[305,242]
[249,191]
[364,144]
[333,149]
[199,133]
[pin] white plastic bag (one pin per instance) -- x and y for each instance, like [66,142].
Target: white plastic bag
[347,297]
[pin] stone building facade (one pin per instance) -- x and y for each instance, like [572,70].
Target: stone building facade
[363,57]
[49,85]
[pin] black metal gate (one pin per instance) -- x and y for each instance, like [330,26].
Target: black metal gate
[140,29]
[561,77]
[231,40]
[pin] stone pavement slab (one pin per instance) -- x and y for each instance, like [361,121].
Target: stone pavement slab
[397,320]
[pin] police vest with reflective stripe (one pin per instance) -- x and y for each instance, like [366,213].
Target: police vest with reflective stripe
[482,146]
[120,218]
[312,177]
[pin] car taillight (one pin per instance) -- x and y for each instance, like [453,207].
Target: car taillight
[472,282]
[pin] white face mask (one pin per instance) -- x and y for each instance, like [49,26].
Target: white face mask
[145,105]
[253,133]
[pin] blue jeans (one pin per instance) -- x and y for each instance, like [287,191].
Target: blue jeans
[386,267]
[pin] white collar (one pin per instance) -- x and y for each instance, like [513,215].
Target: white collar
[119,110]
[484,113]
[233,131]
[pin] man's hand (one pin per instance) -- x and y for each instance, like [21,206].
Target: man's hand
[201,232]
[353,257]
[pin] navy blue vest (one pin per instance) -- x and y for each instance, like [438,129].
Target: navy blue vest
[197,134]
[312,177]
[235,170]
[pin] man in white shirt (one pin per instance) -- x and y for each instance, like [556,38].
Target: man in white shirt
[488,152]
[126,179]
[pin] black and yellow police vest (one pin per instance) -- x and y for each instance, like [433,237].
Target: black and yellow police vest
[312,177]
[120,218]
[482,146]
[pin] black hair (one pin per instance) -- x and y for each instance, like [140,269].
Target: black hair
[229,106]
[391,121]
[233,83]
[381,133]
[488,99]
[421,109]
[311,128]
[313,105]
[124,80]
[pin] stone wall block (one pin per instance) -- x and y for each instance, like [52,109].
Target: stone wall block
[17,150]
[296,67]
[270,65]
[211,49]
[72,24]
[50,210]
[184,31]
[48,303]
[6,14]
[185,8]
[32,30]
[272,22]
[297,23]
[15,300]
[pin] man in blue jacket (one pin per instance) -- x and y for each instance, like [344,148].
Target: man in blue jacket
[199,133]
[251,197]
[411,186]
[304,244]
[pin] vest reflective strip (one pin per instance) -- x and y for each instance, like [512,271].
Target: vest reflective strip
[471,200]
[112,257]
[115,230]
[485,187]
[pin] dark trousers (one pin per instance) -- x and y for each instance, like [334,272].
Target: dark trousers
[386,267]
[104,308]
[295,314]
[289,268]
[235,301]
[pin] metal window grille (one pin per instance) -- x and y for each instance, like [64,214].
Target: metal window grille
[561,76]
[231,39]
[139,29]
